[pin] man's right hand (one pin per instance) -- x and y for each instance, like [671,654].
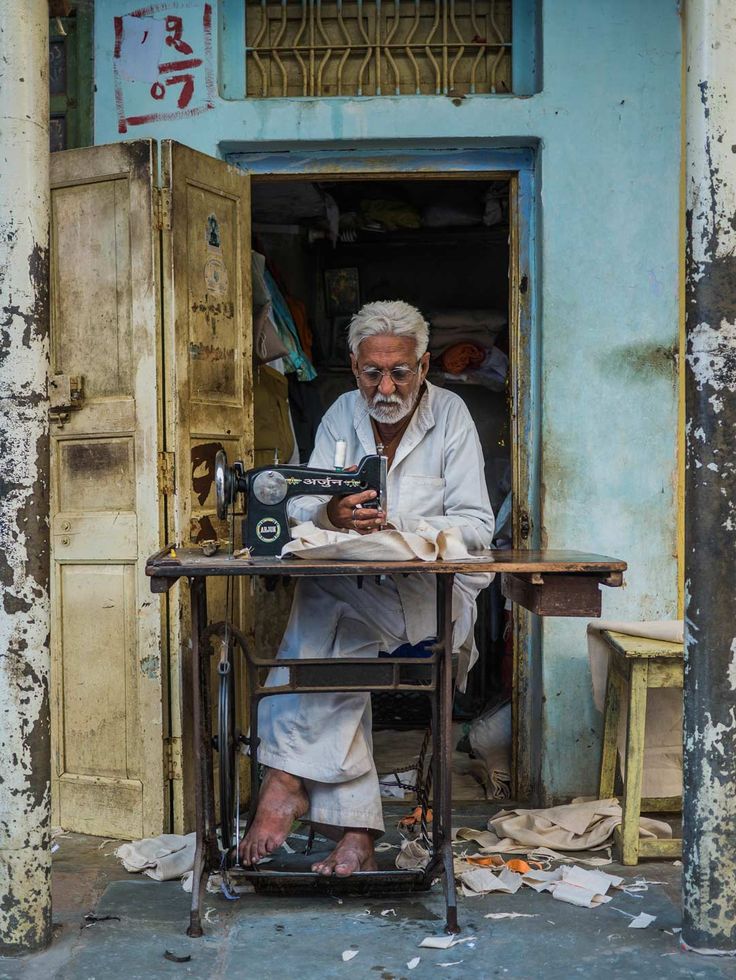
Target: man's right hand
[345,512]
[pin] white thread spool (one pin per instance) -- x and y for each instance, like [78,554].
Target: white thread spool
[341,448]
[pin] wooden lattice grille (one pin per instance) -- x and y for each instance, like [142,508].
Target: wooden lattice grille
[369,47]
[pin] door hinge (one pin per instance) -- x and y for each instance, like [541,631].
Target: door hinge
[163,208]
[525,524]
[166,473]
[172,758]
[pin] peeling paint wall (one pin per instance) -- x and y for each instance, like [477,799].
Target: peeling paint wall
[709,811]
[25,863]
[606,129]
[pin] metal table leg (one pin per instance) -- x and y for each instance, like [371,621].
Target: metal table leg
[206,850]
[444,788]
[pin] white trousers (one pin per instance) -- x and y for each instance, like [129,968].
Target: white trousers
[326,738]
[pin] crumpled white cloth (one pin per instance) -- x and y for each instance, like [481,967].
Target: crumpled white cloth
[425,543]
[662,774]
[161,858]
[582,825]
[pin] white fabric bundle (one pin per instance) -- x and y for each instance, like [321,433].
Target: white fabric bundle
[161,858]
[425,543]
[582,825]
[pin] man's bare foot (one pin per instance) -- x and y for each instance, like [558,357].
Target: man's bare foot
[353,853]
[282,801]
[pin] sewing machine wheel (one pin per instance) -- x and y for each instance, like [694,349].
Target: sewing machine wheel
[228,741]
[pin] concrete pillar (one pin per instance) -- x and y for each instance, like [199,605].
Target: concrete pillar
[709,809]
[25,865]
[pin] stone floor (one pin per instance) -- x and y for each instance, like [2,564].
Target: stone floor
[263,936]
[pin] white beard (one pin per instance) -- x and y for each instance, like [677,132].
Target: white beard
[389,409]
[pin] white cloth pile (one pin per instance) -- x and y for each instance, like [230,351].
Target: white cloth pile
[582,825]
[162,858]
[425,543]
[450,327]
[663,733]
[576,886]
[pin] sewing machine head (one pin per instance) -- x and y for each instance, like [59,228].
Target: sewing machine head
[268,489]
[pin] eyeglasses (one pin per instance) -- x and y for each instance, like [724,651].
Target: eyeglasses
[371,377]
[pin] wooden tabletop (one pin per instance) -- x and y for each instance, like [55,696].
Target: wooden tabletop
[638,647]
[191,562]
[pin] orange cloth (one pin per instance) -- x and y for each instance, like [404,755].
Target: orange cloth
[485,860]
[298,312]
[460,356]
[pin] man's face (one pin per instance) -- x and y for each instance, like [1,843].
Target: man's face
[388,401]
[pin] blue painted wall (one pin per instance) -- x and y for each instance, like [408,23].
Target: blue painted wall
[607,132]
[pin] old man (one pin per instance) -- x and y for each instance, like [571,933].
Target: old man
[317,747]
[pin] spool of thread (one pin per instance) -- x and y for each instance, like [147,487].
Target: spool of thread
[341,448]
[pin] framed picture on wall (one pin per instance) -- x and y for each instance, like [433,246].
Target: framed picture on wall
[342,292]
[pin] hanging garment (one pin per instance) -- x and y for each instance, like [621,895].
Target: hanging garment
[288,332]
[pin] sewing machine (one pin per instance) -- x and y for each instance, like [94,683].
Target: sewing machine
[268,489]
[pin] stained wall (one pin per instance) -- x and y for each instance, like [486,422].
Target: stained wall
[606,132]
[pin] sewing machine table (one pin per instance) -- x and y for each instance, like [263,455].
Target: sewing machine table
[558,583]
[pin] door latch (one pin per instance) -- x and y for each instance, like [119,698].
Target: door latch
[525,525]
[66,395]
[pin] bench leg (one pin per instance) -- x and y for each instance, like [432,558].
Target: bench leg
[631,804]
[609,753]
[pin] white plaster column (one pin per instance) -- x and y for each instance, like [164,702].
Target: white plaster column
[25,864]
[709,804]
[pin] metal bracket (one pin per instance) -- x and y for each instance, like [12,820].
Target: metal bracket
[167,473]
[162,208]
[173,768]
[66,395]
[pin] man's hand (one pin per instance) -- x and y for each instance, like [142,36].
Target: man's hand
[355,513]
[345,512]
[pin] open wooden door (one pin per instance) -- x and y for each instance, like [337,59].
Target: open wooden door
[209,405]
[106,516]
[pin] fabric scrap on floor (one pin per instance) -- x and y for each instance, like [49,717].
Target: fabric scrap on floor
[583,825]
[481,881]
[162,858]
[413,856]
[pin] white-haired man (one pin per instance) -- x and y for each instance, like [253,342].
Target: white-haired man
[317,747]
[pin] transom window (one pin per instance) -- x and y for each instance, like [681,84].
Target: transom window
[370,47]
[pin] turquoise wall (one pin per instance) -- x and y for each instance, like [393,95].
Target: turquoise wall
[606,128]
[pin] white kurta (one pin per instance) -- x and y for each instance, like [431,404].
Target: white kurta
[437,476]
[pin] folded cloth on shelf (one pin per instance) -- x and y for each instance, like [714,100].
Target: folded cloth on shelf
[161,858]
[393,215]
[425,543]
[662,774]
[461,356]
[448,327]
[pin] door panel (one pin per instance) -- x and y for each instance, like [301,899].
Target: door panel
[105,511]
[209,378]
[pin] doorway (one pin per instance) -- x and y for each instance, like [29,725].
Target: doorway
[455,241]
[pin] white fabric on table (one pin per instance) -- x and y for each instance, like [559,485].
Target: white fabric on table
[424,543]
[435,486]
[662,774]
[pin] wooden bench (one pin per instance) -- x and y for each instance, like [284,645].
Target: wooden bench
[634,665]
